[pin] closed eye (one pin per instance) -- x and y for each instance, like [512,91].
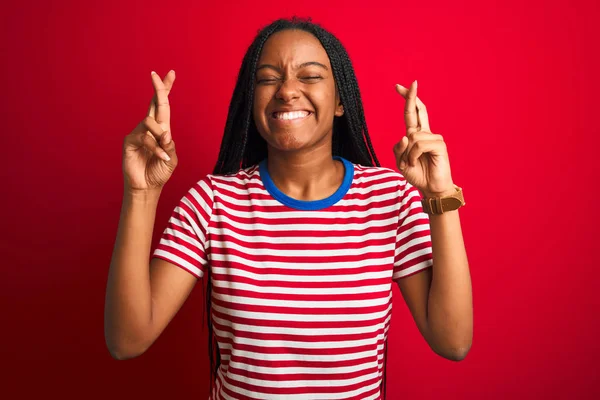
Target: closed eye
[270,80]
[275,80]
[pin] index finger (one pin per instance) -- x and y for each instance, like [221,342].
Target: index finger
[160,102]
[410,110]
[422,116]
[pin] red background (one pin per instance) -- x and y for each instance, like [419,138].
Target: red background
[511,86]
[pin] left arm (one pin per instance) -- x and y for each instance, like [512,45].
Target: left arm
[439,298]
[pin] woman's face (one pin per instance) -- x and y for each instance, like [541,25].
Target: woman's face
[295,98]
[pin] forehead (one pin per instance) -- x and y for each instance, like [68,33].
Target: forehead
[293,46]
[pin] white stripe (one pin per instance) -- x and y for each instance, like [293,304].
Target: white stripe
[226,359]
[308,227]
[408,232]
[302,396]
[303,304]
[342,214]
[310,252]
[301,278]
[189,221]
[192,240]
[194,193]
[302,370]
[412,204]
[180,261]
[270,316]
[372,188]
[290,290]
[303,383]
[304,357]
[363,178]
[413,255]
[221,197]
[344,265]
[341,238]
[303,331]
[411,243]
[189,252]
[414,268]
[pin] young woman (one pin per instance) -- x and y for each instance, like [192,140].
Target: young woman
[299,231]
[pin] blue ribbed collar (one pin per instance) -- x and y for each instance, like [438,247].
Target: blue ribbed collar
[308,205]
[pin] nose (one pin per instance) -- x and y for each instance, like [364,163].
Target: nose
[288,90]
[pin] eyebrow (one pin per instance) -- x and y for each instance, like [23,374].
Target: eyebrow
[306,64]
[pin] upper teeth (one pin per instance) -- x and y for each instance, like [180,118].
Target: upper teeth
[291,115]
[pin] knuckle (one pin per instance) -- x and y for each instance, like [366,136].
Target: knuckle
[149,140]
[148,120]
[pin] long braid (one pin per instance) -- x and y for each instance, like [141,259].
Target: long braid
[232,157]
[242,146]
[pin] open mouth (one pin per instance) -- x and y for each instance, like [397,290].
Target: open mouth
[290,116]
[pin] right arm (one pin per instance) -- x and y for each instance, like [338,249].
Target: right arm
[142,296]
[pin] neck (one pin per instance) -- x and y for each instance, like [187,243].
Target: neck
[305,176]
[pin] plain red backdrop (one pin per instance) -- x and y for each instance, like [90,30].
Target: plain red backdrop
[511,86]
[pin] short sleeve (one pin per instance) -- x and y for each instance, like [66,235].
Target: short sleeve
[184,240]
[413,237]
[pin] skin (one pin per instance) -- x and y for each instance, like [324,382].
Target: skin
[294,73]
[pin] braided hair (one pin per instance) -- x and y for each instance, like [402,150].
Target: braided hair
[242,145]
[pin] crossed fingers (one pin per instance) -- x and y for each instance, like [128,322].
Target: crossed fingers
[415,112]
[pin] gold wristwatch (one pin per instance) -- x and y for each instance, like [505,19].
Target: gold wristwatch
[439,205]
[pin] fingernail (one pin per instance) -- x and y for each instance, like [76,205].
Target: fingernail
[402,164]
[416,84]
[166,157]
[152,73]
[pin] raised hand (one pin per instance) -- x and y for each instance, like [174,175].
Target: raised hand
[421,156]
[149,157]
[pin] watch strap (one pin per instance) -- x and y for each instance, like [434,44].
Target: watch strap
[439,205]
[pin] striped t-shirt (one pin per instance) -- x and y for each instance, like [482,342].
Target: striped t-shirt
[301,290]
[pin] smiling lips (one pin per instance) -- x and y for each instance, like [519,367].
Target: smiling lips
[290,116]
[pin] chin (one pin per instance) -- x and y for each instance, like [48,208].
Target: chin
[287,141]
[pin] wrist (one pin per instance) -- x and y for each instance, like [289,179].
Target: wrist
[142,195]
[443,193]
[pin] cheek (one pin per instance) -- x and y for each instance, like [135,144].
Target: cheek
[325,100]
[261,100]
